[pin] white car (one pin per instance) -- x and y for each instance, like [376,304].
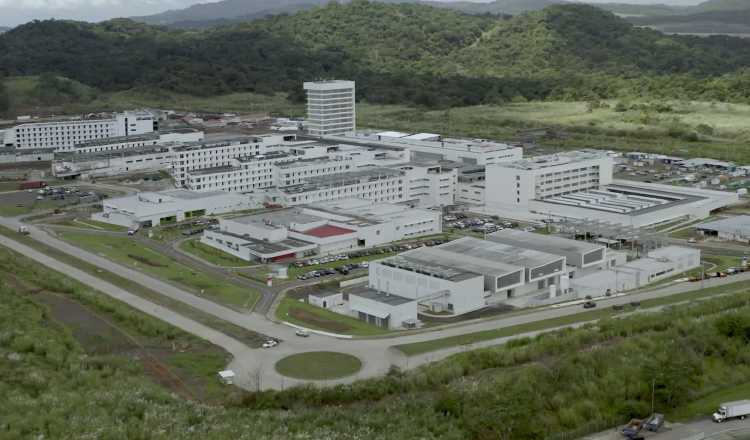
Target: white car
[270,343]
[302,333]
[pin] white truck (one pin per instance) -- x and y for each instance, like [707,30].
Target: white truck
[730,410]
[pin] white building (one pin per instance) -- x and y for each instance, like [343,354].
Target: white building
[331,108]
[383,309]
[470,188]
[731,228]
[376,183]
[467,274]
[431,146]
[430,184]
[63,135]
[112,163]
[154,208]
[221,154]
[341,226]
[515,184]
[138,141]
[581,254]
[13,155]
[659,264]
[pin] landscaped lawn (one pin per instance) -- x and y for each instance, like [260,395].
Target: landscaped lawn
[470,338]
[127,251]
[212,255]
[318,365]
[307,315]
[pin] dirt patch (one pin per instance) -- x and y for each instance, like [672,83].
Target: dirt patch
[305,316]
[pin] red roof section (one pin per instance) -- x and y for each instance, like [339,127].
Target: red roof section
[327,231]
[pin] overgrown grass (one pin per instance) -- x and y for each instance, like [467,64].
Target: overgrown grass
[310,316]
[210,254]
[471,338]
[91,224]
[126,251]
[249,337]
[602,127]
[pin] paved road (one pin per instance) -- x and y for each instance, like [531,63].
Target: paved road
[376,354]
[701,429]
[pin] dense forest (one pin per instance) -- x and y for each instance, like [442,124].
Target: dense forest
[397,53]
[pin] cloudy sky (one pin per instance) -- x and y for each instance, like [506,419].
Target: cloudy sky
[13,12]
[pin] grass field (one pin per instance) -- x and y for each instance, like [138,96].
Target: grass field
[642,130]
[126,251]
[250,338]
[212,255]
[319,365]
[470,338]
[112,333]
[91,224]
[312,317]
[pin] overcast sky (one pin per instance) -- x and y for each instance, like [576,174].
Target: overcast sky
[13,12]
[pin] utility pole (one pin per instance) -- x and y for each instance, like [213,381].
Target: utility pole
[653,393]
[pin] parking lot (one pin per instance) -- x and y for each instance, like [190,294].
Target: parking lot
[24,202]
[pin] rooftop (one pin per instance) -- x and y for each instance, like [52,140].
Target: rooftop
[626,199]
[342,179]
[551,243]
[553,160]
[279,218]
[196,146]
[326,231]
[374,295]
[729,225]
[263,247]
[117,140]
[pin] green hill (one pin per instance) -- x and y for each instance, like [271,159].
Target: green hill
[398,53]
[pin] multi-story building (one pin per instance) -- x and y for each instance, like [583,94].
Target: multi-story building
[63,135]
[331,108]
[430,184]
[375,183]
[544,177]
[221,154]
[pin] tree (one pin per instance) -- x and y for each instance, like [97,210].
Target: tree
[4,98]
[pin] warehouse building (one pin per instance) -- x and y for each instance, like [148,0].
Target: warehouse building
[340,226]
[383,309]
[731,228]
[148,209]
[466,275]
[581,254]
[658,265]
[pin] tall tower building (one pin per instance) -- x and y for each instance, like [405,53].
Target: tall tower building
[330,107]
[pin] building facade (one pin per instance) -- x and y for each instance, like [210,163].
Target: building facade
[331,107]
[63,135]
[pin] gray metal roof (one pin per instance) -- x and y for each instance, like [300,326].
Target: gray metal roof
[730,225]
[547,243]
[374,295]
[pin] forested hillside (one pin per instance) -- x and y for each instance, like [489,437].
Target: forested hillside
[398,53]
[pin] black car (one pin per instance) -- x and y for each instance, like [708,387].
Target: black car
[635,303]
[589,305]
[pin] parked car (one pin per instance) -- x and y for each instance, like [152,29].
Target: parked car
[654,422]
[302,333]
[270,343]
[589,305]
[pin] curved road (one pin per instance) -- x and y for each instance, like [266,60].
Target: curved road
[255,367]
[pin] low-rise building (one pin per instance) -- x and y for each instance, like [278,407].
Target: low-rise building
[148,209]
[185,135]
[333,227]
[731,228]
[581,254]
[112,163]
[659,264]
[383,309]
[467,274]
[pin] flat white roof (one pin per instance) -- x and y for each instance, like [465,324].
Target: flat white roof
[423,136]
[392,134]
